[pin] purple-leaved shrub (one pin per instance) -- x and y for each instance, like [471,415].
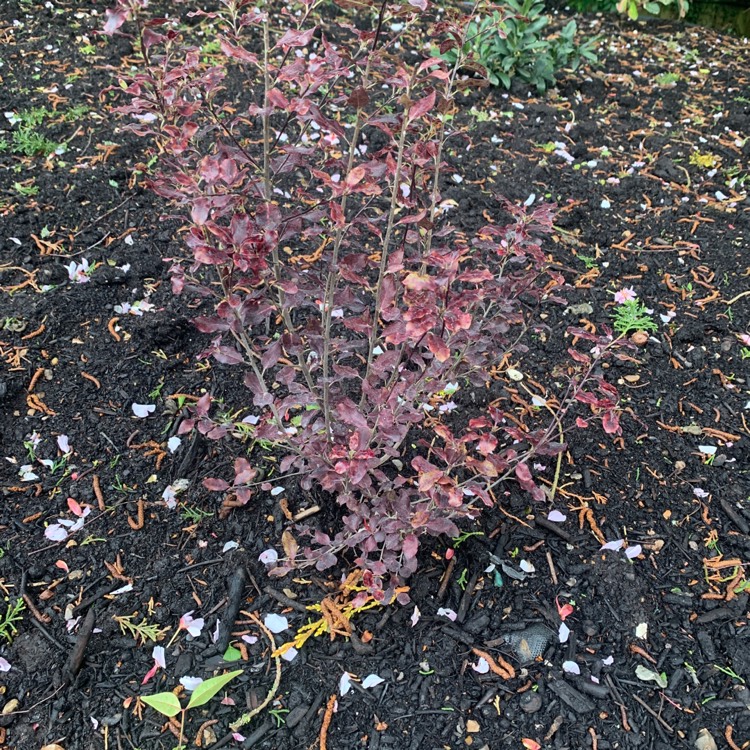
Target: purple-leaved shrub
[309,171]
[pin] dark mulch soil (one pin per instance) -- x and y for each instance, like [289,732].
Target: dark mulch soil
[651,173]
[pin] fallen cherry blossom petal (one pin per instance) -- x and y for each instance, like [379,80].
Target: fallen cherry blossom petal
[564,610]
[345,683]
[194,626]
[614,545]
[571,667]
[482,666]
[63,444]
[627,294]
[415,615]
[634,551]
[56,532]
[276,623]
[563,633]
[4,665]
[151,672]
[173,443]
[449,613]
[290,654]
[372,680]
[251,639]
[159,656]
[230,545]
[190,683]
[268,557]
[143,410]
[556,516]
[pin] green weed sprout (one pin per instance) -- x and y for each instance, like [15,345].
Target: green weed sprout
[13,615]
[632,315]
[169,704]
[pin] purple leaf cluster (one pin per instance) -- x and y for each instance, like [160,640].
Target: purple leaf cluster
[310,176]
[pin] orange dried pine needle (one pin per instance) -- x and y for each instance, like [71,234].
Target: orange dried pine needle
[90,377]
[35,379]
[327,717]
[111,328]
[35,333]
[138,525]
[98,493]
[500,667]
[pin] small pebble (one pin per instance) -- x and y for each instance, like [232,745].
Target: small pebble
[531,702]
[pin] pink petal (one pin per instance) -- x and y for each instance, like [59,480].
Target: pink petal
[151,672]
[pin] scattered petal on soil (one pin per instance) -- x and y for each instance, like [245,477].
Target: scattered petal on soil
[276,623]
[143,410]
[571,667]
[449,613]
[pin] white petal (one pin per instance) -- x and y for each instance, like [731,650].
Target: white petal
[556,517]
[371,681]
[482,666]
[415,615]
[62,443]
[230,545]
[143,410]
[633,551]
[276,623]
[563,633]
[571,667]
[290,654]
[173,443]
[4,665]
[614,545]
[190,683]
[526,566]
[56,533]
[449,613]
[345,683]
[159,658]
[269,557]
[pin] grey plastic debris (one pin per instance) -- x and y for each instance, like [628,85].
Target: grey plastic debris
[530,643]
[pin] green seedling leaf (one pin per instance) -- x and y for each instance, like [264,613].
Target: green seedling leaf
[208,689]
[164,703]
[232,654]
[646,674]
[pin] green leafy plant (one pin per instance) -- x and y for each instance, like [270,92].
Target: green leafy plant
[27,191]
[633,7]
[510,44]
[168,704]
[632,315]
[667,79]
[594,6]
[13,615]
